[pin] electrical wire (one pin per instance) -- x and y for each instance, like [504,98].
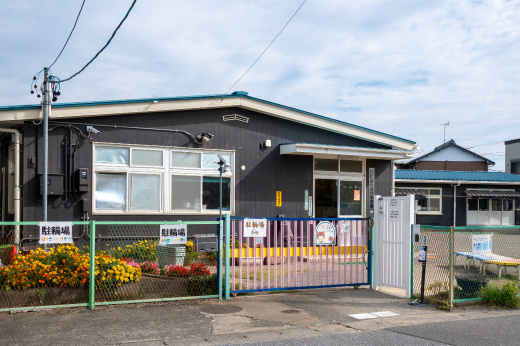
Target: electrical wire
[265,50]
[74,27]
[102,49]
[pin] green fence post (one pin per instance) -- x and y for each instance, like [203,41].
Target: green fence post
[227,252]
[220,256]
[452,255]
[92,269]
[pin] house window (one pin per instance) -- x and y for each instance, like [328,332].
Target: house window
[515,167]
[160,180]
[430,202]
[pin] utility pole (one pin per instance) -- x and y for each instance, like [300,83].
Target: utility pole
[46,110]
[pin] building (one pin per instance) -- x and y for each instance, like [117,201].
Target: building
[447,198]
[155,159]
[449,157]
[513,156]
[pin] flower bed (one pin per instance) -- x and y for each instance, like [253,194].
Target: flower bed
[65,266]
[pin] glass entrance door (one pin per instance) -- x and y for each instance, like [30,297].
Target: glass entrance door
[326,198]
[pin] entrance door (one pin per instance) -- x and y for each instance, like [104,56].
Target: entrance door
[483,211]
[508,213]
[326,198]
[495,216]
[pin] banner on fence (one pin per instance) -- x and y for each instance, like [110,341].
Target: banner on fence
[173,234]
[55,232]
[481,243]
[255,228]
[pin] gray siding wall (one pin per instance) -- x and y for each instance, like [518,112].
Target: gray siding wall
[266,170]
[512,153]
[446,219]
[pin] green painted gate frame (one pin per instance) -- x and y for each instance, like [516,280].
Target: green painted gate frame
[92,280]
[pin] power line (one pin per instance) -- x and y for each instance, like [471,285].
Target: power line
[265,50]
[74,27]
[102,49]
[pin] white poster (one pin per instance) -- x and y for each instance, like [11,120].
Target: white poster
[345,228]
[255,228]
[173,234]
[55,232]
[325,233]
[394,210]
[481,243]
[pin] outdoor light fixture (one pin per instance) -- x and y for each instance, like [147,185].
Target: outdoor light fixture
[222,169]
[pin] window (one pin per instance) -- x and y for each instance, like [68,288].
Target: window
[144,180]
[326,165]
[508,205]
[473,204]
[351,166]
[515,167]
[350,193]
[431,202]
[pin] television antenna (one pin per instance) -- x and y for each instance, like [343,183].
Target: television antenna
[445,125]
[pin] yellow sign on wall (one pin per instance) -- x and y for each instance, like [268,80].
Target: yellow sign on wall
[278,198]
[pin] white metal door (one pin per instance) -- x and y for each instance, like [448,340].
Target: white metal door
[393,218]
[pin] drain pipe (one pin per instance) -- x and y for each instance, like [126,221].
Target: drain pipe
[16,182]
[392,192]
[455,204]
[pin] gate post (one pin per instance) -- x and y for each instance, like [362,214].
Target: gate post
[452,255]
[92,269]
[227,253]
[375,243]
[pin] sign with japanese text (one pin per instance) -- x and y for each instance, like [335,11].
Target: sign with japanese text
[393,212]
[55,232]
[371,178]
[325,233]
[278,198]
[306,200]
[357,195]
[310,206]
[481,243]
[255,228]
[173,234]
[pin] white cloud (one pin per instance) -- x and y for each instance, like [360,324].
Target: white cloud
[402,68]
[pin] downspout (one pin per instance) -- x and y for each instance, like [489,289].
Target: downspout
[16,182]
[392,192]
[455,204]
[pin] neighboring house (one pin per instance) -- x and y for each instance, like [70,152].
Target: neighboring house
[513,156]
[481,198]
[155,159]
[449,157]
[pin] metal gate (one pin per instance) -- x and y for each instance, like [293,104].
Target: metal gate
[288,257]
[392,241]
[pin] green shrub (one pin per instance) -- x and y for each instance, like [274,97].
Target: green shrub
[203,285]
[504,296]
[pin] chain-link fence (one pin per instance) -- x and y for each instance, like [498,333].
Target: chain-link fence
[130,265]
[463,263]
[437,279]
[484,258]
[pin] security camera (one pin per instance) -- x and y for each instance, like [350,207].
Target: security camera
[91,129]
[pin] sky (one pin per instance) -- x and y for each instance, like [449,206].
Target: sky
[400,67]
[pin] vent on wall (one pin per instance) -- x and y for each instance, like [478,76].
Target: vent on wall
[235,117]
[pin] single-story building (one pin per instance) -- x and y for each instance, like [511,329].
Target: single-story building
[481,198]
[155,159]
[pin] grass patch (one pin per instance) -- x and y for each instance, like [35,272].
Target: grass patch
[504,296]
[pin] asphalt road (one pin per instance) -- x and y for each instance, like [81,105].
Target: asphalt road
[501,331]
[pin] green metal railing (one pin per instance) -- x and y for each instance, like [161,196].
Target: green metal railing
[102,242]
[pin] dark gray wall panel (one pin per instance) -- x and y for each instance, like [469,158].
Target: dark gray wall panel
[266,171]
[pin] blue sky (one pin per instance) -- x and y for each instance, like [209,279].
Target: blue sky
[398,67]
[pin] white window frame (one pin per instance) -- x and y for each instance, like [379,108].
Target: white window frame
[428,196]
[339,176]
[166,171]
